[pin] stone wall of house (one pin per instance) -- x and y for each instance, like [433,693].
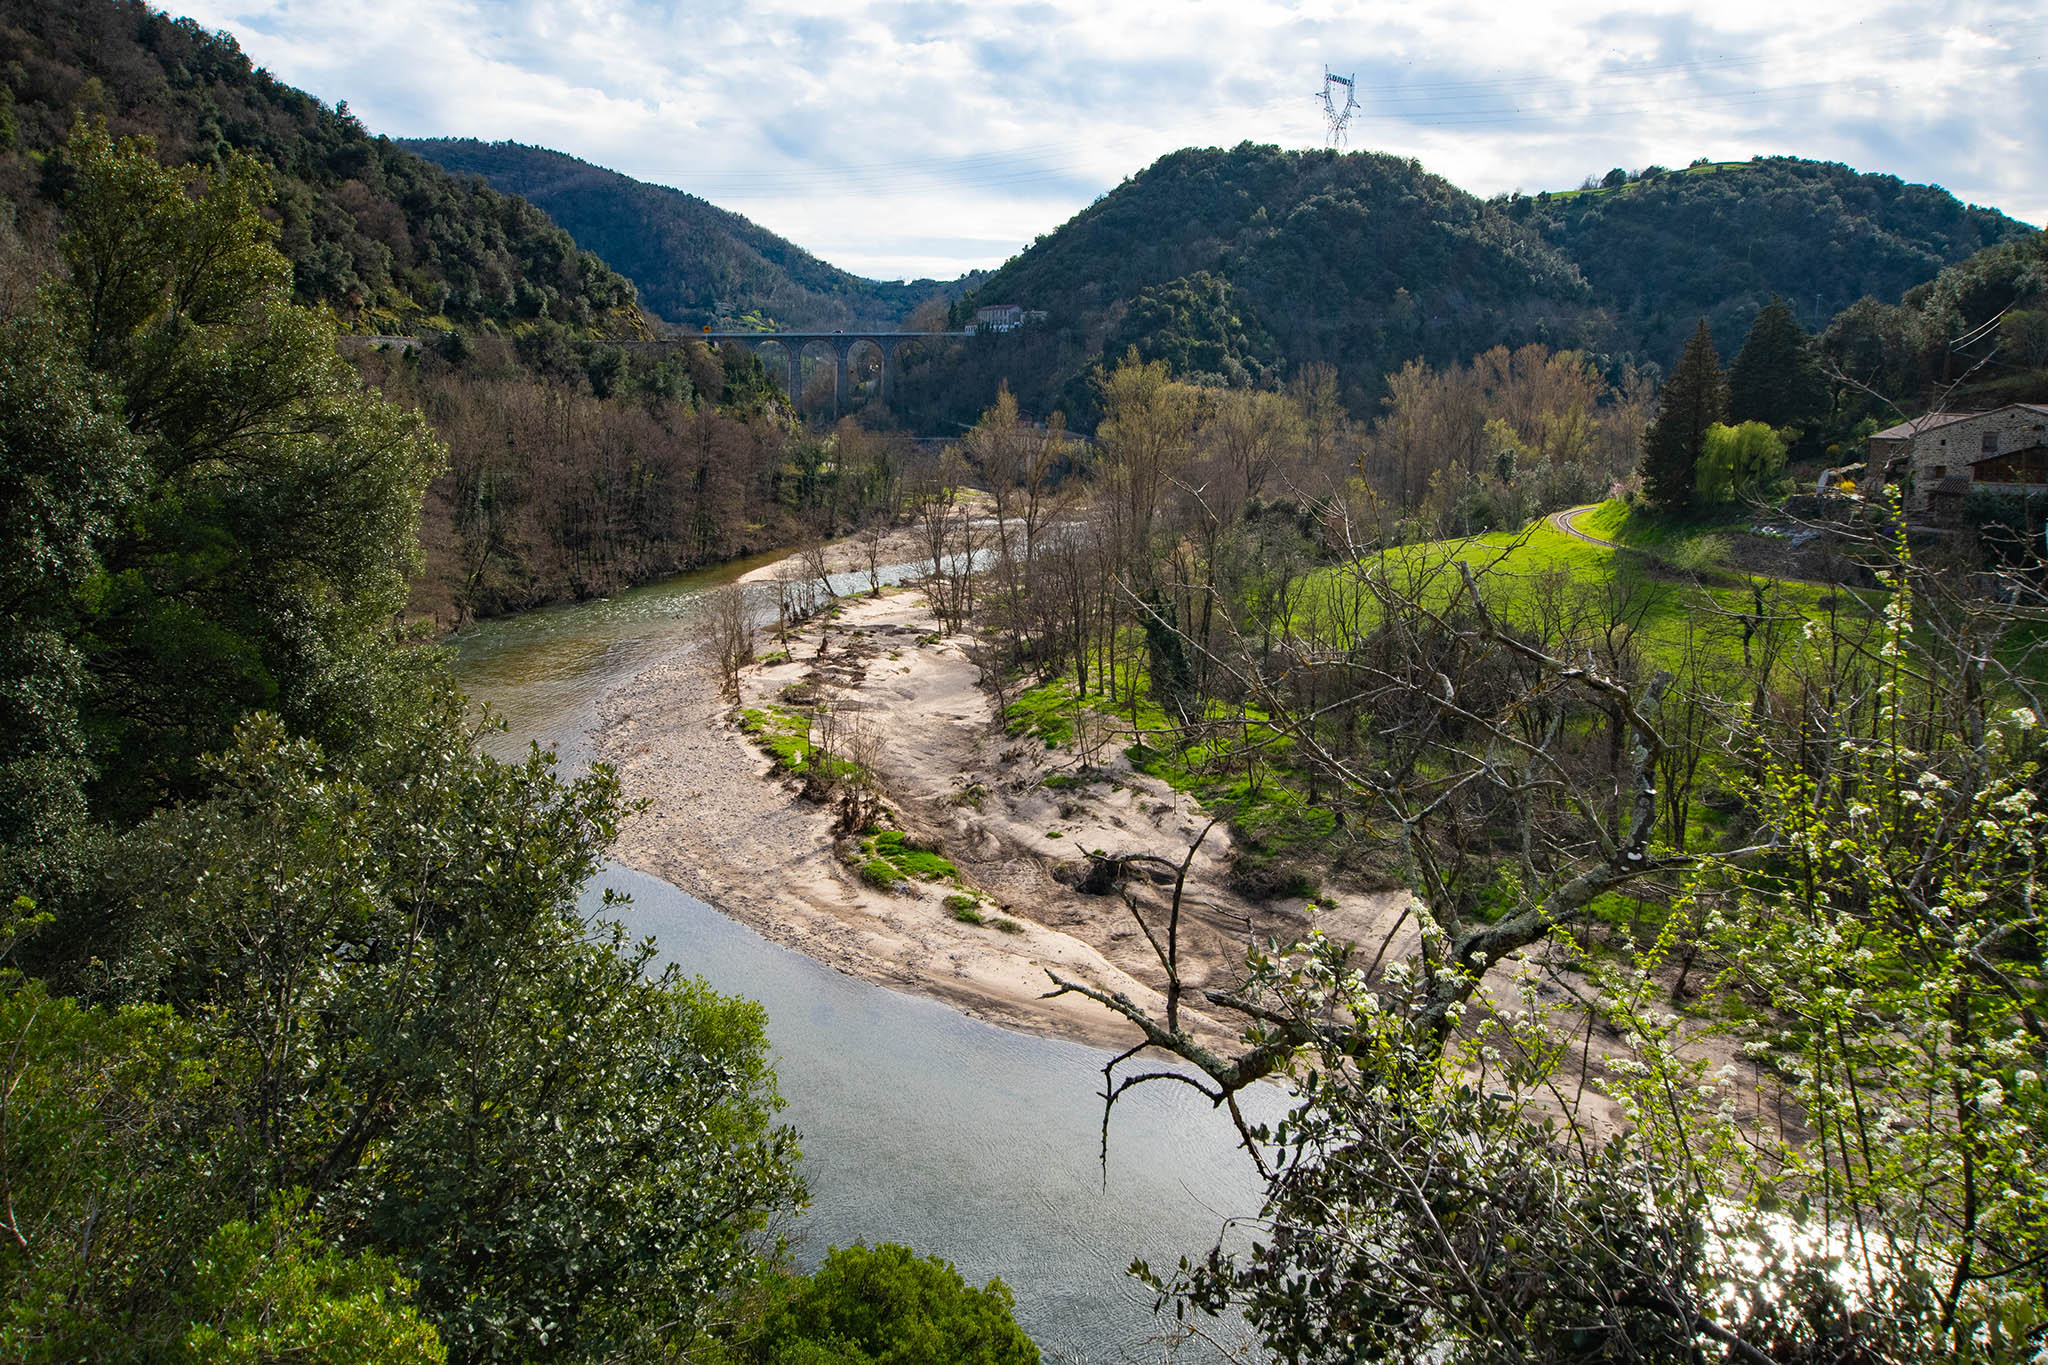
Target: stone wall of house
[1944,454]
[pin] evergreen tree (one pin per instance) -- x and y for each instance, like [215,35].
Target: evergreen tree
[1695,399]
[1776,378]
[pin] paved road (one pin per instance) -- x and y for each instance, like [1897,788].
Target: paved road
[1567,521]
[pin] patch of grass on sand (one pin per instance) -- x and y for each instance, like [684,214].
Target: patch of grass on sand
[1045,712]
[887,858]
[924,864]
[881,874]
[785,735]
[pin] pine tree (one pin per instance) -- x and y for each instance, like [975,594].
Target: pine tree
[1695,399]
[1776,378]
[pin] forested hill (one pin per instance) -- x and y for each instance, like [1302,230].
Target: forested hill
[1222,261]
[1663,249]
[389,240]
[694,262]
[1227,261]
[1975,336]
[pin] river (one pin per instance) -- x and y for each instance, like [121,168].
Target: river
[918,1124]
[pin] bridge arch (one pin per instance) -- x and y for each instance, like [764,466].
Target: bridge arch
[866,366]
[781,358]
[821,373]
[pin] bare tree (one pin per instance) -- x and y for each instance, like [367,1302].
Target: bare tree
[726,630]
[815,568]
[874,542]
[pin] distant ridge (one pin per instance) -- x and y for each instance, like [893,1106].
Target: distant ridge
[1662,249]
[694,263]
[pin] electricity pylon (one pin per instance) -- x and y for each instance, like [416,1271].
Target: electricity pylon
[1338,119]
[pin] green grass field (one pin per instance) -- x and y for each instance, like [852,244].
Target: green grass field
[1535,574]
[1597,191]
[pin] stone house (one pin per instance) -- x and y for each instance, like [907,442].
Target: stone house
[1949,453]
[999,317]
[1005,317]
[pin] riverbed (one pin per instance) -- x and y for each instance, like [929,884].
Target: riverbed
[918,1124]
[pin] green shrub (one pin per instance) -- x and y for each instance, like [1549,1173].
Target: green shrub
[889,1304]
[1703,554]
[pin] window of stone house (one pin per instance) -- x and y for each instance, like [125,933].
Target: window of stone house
[1940,471]
[1990,443]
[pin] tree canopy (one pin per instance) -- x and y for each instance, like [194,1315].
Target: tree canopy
[886,1305]
[1693,401]
[319,1055]
[1721,239]
[1776,377]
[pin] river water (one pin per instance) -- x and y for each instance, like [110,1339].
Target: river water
[918,1124]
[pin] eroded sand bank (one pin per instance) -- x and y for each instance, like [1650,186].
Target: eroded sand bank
[721,823]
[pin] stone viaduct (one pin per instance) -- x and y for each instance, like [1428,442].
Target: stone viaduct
[887,344]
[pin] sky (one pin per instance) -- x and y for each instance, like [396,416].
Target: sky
[911,138]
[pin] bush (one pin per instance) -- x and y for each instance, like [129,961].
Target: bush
[1703,554]
[886,1303]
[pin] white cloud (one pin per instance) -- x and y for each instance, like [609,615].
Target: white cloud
[927,138]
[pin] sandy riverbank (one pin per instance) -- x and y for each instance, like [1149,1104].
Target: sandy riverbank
[721,824]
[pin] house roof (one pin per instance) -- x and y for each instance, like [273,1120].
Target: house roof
[1927,422]
[1933,420]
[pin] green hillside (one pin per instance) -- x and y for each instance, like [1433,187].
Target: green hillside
[1663,249]
[693,261]
[389,240]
